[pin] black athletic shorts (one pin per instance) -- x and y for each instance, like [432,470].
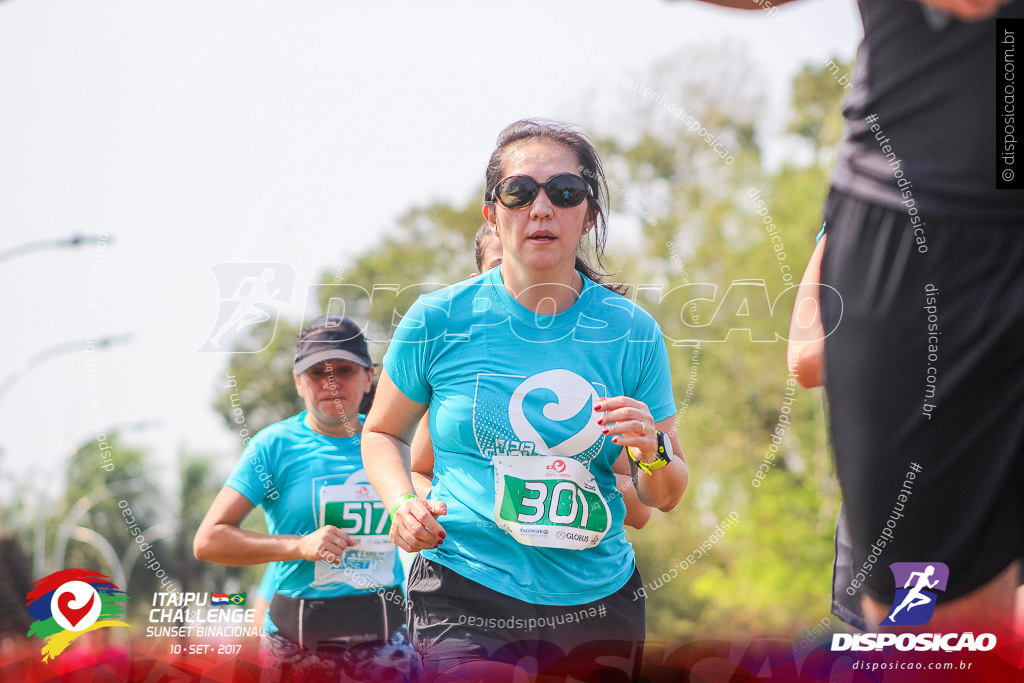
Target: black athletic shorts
[845,605]
[924,375]
[455,621]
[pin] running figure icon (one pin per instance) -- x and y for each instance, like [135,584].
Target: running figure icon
[915,597]
[250,294]
[248,313]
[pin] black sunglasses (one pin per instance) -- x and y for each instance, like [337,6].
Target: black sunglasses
[565,190]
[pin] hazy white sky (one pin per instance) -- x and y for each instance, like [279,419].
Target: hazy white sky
[199,133]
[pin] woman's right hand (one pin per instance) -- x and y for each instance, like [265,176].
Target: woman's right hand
[326,543]
[415,526]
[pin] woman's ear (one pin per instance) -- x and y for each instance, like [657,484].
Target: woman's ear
[590,220]
[491,216]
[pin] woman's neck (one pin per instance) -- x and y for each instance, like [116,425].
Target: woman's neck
[546,293]
[341,430]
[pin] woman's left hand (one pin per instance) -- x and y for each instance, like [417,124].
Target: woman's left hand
[629,423]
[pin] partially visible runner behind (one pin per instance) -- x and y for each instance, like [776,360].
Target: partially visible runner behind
[924,373]
[805,358]
[537,377]
[805,350]
[338,611]
[488,253]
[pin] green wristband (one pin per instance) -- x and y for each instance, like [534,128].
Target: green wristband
[401,499]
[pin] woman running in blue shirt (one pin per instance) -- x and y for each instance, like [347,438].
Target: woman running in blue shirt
[338,601]
[537,378]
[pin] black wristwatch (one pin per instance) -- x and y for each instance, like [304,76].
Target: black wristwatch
[665,455]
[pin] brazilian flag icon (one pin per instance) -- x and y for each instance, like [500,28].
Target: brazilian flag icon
[237,598]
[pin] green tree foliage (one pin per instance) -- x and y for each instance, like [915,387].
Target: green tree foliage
[15,583]
[815,94]
[258,389]
[201,480]
[431,246]
[772,571]
[110,503]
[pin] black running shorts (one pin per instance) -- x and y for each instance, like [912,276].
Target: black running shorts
[924,375]
[454,621]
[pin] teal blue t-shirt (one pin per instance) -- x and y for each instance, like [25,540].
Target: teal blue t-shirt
[303,480]
[519,459]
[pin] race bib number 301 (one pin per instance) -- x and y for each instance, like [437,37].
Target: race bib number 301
[549,502]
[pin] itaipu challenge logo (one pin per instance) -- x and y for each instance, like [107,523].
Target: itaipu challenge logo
[71,602]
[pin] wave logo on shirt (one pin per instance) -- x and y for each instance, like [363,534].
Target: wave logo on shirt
[250,293]
[549,413]
[71,602]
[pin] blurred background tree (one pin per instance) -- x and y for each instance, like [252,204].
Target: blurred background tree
[771,574]
[89,528]
[202,477]
[260,384]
